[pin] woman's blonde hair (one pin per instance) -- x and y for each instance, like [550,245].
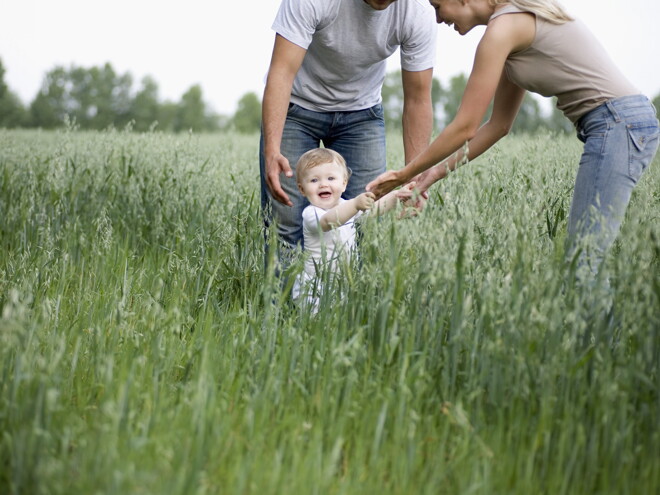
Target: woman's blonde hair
[550,10]
[319,156]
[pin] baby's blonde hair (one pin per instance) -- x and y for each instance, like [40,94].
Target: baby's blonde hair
[319,156]
[550,10]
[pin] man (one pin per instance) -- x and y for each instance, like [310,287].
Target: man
[324,86]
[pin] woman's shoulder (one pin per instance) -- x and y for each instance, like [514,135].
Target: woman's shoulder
[515,32]
[507,9]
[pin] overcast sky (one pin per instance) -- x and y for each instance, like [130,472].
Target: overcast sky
[225,45]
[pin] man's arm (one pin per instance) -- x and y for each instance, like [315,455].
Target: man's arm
[417,111]
[285,62]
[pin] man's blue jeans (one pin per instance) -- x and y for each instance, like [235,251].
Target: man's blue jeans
[620,140]
[359,136]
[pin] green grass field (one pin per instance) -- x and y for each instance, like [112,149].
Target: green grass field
[144,349]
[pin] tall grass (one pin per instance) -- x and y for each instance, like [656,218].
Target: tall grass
[144,348]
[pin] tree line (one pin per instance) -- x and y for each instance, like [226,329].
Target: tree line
[446,100]
[99,98]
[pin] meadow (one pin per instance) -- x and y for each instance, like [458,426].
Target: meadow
[145,349]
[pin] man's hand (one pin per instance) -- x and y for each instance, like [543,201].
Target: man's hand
[275,165]
[284,65]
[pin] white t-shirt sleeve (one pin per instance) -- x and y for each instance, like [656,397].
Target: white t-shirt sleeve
[311,217]
[418,49]
[297,21]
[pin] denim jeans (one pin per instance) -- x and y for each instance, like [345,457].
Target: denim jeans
[359,136]
[620,140]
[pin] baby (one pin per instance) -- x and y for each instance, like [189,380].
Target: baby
[328,222]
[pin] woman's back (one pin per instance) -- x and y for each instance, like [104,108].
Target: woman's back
[567,61]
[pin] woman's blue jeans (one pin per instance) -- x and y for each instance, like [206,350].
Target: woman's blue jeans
[359,136]
[620,140]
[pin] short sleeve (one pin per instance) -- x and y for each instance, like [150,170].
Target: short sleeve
[297,21]
[418,48]
[311,217]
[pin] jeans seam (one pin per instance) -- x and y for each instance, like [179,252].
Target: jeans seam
[632,150]
[373,114]
[599,164]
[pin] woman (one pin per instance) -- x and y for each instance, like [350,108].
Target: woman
[535,45]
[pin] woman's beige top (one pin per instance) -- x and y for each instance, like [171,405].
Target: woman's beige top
[566,61]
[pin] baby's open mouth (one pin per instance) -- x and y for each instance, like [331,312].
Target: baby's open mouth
[325,194]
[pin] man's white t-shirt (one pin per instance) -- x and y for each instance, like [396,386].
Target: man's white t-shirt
[348,43]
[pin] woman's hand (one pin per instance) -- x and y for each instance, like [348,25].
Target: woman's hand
[412,199]
[384,183]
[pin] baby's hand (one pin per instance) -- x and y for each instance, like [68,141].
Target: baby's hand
[413,202]
[365,201]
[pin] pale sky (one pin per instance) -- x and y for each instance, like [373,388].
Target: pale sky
[225,45]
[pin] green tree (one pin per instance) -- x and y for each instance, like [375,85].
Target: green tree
[167,116]
[145,106]
[656,104]
[190,114]
[529,118]
[100,96]
[557,121]
[247,118]
[110,97]
[448,100]
[223,122]
[96,98]
[51,105]
[213,121]
[437,96]
[452,98]
[392,94]
[12,111]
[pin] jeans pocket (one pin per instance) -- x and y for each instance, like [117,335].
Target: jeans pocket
[644,139]
[377,112]
[293,109]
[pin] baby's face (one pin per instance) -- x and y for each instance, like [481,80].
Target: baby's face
[324,184]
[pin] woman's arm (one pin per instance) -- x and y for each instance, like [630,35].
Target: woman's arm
[504,35]
[508,99]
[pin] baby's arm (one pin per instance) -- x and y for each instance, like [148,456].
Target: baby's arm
[343,212]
